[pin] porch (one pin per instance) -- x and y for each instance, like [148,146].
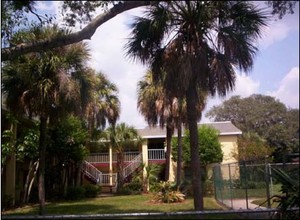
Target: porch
[98,167]
[154,155]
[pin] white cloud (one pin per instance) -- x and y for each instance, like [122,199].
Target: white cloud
[108,56]
[279,29]
[288,90]
[244,87]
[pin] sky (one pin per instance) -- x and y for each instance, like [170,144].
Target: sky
[275,71]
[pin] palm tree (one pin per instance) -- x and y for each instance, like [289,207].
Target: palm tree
[121,137]
[157,104]
[104,104]
[199,44]
[157,107]
[42,84]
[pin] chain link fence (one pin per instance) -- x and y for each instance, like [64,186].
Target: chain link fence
[237,185]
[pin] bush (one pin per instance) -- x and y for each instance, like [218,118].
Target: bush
[154,187]
[168,194]
[208,188]
[75,193]
[91,191]
[6,202]
[134,187]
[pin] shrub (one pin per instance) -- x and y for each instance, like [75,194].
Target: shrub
[155,187]
[289,197]
[75,193]
[134,187]
[208,188]
[6,202]
[168,194]
[91,191]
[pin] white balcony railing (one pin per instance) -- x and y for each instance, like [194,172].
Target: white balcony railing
[156,154]
[104,157]
[153,154]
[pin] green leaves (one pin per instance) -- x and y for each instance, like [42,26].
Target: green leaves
[290,189]
[209,146]
[265,116]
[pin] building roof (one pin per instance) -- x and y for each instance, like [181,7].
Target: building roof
[224,127]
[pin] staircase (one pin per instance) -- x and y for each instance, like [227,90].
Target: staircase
[91,172]
[132,166]
[110,180]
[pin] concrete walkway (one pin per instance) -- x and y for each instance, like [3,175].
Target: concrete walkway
[241,204]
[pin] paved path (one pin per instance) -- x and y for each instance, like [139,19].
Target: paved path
[241,203]
[238,204]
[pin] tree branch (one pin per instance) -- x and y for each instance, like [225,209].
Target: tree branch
[86,33]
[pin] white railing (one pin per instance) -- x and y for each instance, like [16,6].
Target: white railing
[156,154]
[104,157]
[109,179]
[92,172]
[129,156]
[98,158]
[97,176]
[134,164]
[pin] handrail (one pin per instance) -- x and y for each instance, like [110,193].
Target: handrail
[92,172]
[134,164]
[99,177]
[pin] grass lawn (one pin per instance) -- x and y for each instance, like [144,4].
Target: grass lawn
[257,193]
[119,204]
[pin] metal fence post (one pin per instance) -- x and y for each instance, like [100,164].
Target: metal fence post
[267,176]
[246,184]
[230,185]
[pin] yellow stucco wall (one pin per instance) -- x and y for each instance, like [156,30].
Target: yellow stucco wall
[229,145]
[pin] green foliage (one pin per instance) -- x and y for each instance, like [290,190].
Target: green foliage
[282,8]
[131,188]
[290,193]
[68,140]
[6,145]
[252,147]
[27,146]
[6,201]
[209,146]
[80,192]
[91,191]
[14,16]
[81,12]
[75,193]
[265,116]
[168,194]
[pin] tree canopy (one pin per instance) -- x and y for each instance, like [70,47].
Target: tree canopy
[210,149]
[13,16]
[265,116]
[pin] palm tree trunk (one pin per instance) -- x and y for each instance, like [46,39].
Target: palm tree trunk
[36,167]
[120,166]
[191,99]
[179,153]
[168,153]
[42,157]
[30,170]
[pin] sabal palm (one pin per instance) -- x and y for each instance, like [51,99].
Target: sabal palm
[160,106]
[42,84]
[104,104]
[157,108]
[121,137]
[199,44]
